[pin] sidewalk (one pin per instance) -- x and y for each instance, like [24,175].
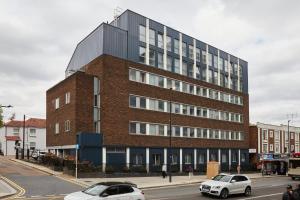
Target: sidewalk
[142,182]
[5,189]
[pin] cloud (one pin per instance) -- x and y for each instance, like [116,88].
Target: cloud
[38,39]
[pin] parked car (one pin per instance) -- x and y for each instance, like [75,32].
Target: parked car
[108,190]
[37,154]
[224,185]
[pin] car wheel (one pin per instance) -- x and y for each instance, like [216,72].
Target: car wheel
[224,194]
[248,191]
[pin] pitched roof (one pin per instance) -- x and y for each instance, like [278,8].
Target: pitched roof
[12,138]
[31,122]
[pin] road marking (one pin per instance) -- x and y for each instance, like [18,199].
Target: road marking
[262,196]
[16,186]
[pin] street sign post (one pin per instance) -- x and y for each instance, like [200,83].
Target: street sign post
[76,160]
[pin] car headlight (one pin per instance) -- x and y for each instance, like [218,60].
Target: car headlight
[217,187]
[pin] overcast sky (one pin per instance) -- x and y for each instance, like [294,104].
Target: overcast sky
[37,39]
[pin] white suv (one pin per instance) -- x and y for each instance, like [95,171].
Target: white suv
[223,185]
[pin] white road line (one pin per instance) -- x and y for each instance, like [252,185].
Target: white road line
[262,196]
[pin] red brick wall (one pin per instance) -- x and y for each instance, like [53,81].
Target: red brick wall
[253,138]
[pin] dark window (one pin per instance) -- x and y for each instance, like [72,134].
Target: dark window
[142,102]
[132,101]
[123,189]
[112,190]
[142,128]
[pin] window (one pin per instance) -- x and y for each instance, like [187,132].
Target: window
[152,57]
[152,37]
[184,49]
[142,128]
[113,190]
[161,130]
[169,63]
[67,97]
[138,159]
[201,158]
[132,101]
[215,77]
[142,35]
[184,69]
[198,55]
[215,61]
[204,133]
[32,145]
[185,131]
[67,126]
[265,148]
[176,131]
[132,75]
[191,52]
[234,157]
[276,148]
[210,59]
[225,65]
[187,158]
[142,102]
[161,105]
[160,60]
[174,159]
[224,158]
[271,134]
[176,46]
[156,159]
[16,131]
[192,132]
[142,52]
[132,127]
[32,132]
[203,57]
[153,129]
[160,40]
[292,136]
[169,43]
[190,70]
[142,77]
[176,66]
[124,189]
[271,147]
[213,157]
[56,103]
[243,159]
[56,128]
[265,135]
[210,76]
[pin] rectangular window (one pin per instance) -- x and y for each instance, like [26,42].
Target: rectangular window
[161,130]
[203,57]
[142,53]
[67,125]
[169,43]
[153,129]
[210,59]
[185,131]
[184,49]
[176,66]
[161,105]
[187,158]
[32,145]
[184,69]
[271,134]
[210,76]
[234,157]
[204,133]
[132,127]
[226,65]
[192,132]
[142,77]
[32,132]
[160,60]
[176,131]
[56,128]
[198,55]
[160,40]
[132,75]
[191,52]
[201,158]
[190,70]
[169,63]
[142,102]
[16,131]
[138,159]
[67,97]
[152,57]
[152,37]
[271,147]
[142,33]
[174,159]
[132,101]
[215,77]
[57,103]
[176,46]
[156,159]
[142,128]
[224,158]
[215,61]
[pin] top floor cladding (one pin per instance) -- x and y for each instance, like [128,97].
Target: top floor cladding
[136,38]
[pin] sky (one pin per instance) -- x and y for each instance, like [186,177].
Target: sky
[37,39]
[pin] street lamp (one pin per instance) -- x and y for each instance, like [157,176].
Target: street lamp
[170,135]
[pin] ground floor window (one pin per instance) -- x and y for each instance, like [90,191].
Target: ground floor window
[201,159]
[138,159]
[156,159]
[188,158]
[224,158]
[213,157]
[174,159]
[234,157]
[243,157]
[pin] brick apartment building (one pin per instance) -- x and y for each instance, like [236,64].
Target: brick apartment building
[273,140]
[115,99]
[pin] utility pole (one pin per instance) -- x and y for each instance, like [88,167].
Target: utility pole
[23,150]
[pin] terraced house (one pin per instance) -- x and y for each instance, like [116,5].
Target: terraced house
[115,99]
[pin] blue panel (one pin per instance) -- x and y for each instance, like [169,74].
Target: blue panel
[215,152]
[140,151]
[156,168]
[202,167]
[89,139]
[225,163]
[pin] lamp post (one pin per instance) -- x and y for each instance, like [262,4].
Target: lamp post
[170,136]
[23,150]
[289,137]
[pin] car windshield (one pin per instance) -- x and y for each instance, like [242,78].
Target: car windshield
[223,178]
[95,190]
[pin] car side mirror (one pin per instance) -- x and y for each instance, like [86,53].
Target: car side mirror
[212,178]
[104,194]
[233,181]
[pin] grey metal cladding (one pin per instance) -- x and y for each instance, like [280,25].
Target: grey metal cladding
[245,75]
[87,50]
[134,20]
[114,41]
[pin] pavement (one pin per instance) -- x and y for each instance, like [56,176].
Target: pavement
[142,182]
[5,189]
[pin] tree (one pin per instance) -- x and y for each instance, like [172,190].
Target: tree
[1,118]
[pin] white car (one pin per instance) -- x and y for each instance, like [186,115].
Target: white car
[108,190]
[223,185]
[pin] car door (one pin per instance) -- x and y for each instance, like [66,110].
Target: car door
[111,193]
[126,192]
[241,184]
[233,188]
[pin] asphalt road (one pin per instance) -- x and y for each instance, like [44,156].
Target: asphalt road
[37,185]
[264,188]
